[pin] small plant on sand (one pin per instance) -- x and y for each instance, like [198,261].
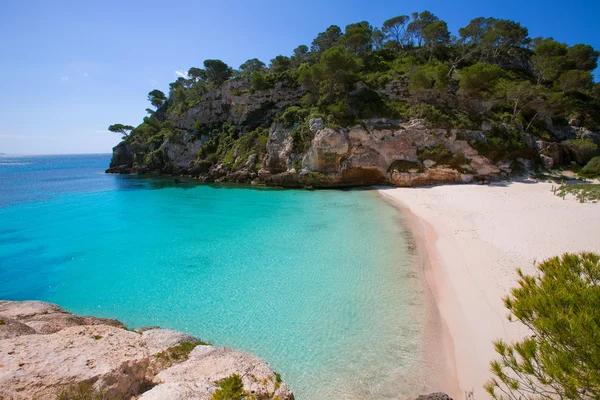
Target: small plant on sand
[582,191]
[2,322]
[560,359]
[82,391]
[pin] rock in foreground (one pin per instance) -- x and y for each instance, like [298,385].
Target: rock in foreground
[45,350]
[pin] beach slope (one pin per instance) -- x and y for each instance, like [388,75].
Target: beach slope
[474,237]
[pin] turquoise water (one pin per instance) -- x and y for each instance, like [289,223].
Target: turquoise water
[320,284]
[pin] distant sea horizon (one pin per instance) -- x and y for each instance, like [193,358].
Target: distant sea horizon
[321,284]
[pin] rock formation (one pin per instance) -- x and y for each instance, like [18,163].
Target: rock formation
[379,151]
[45,351]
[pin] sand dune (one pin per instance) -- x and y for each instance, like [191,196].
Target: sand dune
[474,238]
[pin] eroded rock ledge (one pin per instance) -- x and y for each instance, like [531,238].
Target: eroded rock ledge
[378,151]
[45,350]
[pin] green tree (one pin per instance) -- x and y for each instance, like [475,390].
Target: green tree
[197,74]
[251,66]
[394,29]
[378,38]
[300,55]
[549,60]
[583,57]
[575,80]
[418,24]
[560,359]
[435,37]
[473,34]
[258,81]
[358,37]
[156,98]
[479,80]
[217,71]
[124,130]
[280,64]
[505,38]
[519,95]
[337,70]
[333,75]
[326,40]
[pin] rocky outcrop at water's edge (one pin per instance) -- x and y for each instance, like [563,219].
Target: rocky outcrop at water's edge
[379,151]
[45,351]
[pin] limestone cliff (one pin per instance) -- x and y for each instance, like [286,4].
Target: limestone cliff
[378,151]
[235,134]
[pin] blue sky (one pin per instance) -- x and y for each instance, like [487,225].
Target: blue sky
[70,68]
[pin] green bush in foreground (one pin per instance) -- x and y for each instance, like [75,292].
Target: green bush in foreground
[561,357]
[591,169]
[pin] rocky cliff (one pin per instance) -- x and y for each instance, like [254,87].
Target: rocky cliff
[46,352]
[378,151]
[235,134]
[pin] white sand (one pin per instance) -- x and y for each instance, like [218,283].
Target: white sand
[475,237]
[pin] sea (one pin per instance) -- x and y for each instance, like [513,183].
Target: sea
[321,284]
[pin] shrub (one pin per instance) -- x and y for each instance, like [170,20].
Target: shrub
[180,352]
[582,150]
[301,138]
[591,169]
[82,391]
[230,388]
[561,357]
[293,115]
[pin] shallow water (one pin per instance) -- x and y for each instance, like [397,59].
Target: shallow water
[320,284]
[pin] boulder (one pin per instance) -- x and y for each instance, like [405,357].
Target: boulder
[41,366]
[548,162]
[279,149]
[197,377]
[158,339]
[122,159]
[12,328]
[315,124]
[48,318]
[329,147]
[119,363]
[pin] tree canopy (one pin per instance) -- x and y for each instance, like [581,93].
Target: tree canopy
[410,66]
[120,128]
[560,359]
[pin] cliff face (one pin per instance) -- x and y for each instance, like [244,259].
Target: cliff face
[45,351]
[379,151]
[203,142]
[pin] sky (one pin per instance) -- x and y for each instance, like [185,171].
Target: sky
[69,69]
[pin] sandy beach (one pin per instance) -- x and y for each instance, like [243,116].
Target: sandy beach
[473,238]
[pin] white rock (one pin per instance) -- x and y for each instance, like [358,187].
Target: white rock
[196,378]
[159,339]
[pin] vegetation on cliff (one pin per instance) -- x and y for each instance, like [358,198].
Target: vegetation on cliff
[411,67]
[560,359]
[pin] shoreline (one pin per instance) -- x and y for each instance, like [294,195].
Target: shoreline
[473,238]
[437,345]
